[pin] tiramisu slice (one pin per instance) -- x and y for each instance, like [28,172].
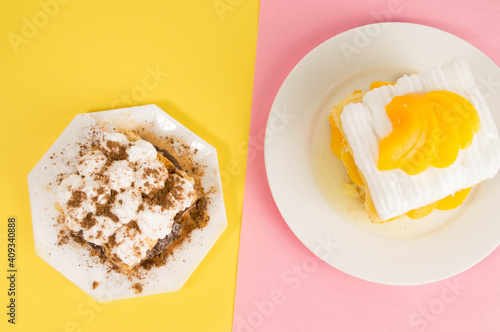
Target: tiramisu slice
[126,197]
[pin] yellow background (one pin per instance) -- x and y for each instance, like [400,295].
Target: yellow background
[85,56]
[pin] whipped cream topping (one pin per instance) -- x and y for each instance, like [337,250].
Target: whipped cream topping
[141,151]
[123,196]
[120,175]
[117,138]
[150,175]
[92,163]
[103,228]
[126,204]
[152,223]
[177,195]
[130,244]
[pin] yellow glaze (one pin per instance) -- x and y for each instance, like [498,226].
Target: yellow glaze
[422,212]
[428,130]
[338,145]
[378,84]
[448,203]
[453,201]
[338,142]
[351,167]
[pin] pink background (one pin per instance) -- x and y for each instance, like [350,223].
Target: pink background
[281,286]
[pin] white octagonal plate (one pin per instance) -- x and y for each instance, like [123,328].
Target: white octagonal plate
[74,261]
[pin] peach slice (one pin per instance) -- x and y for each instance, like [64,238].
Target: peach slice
[443,121]
[407,130]
[446,136]
[408,146]
[351,167]
[452,201]
[462,112]
[422,212]
[424,152]
[378,84]
[338,142]
[338,146]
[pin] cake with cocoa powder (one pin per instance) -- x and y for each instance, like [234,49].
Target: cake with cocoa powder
[130,202]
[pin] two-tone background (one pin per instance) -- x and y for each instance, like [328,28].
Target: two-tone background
[197,60]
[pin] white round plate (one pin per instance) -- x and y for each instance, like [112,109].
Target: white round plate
[307,180]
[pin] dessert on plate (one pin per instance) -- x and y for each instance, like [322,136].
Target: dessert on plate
[129,201]
[126,203]
[418,144]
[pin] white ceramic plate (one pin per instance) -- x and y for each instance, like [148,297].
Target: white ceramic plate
[307,180]
[74,261]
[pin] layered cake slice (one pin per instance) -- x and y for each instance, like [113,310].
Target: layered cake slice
[417,144]
[128,200]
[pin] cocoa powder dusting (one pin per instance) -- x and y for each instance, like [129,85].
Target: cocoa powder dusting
[88,221]
[77,198]
[133,225]
[151,172]
[166,196]
[137,287]
[63,238]
[105,209]
[117,151]
[112,241]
